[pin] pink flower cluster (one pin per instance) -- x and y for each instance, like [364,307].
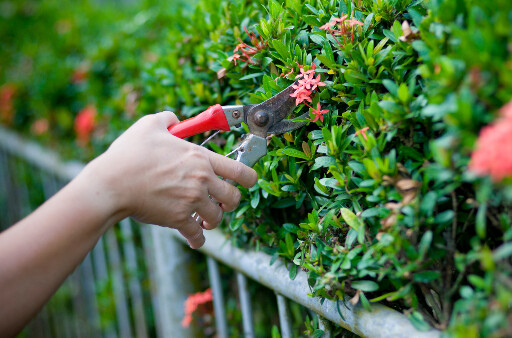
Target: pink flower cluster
[193,302]
[346,28]
[493,153]
[246,50]
[305,87]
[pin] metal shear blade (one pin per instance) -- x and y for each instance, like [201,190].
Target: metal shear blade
[268,116]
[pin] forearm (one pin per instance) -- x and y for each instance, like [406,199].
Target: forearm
[40,251]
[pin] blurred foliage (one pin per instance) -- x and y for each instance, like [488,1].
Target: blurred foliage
[392,215]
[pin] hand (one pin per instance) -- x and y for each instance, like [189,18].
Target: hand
[160,179]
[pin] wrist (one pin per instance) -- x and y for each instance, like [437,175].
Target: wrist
[101,190]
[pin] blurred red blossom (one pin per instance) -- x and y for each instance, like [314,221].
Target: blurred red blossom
[81,72]
[7,93]
[493,151]
[192,303]
[85,124]
[78,75]
[363,132]
[40,126]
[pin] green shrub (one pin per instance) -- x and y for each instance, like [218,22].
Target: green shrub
[375,201]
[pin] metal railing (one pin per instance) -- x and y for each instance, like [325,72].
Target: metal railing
[141,269]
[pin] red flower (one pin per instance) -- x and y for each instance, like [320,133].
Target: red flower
[328,25]
[7,93]
[192,303]
[302,94]
[493,154]
[353,22]
[341,19]
[85,124]
[362,132]
[305,74]
[343,24]
[40,126]
[246,50]
[78,75]
[506,110]
[318,112]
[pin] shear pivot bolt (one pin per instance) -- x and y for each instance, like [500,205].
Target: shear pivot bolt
[261,118]
[236,114]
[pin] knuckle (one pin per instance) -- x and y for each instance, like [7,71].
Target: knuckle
[238,171]
[220,214]
[195,154]
[194,194]
[234,201]
[201,176]
[181,217]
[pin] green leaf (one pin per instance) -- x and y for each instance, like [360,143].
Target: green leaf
[417,320]
[504,251]
[291,227]
[365,285]
[295,153]
[481,225]
[317,334]
[365,302]
[391,86]
[281,49]
[318,39]
[367,22]
[293,271]
[275,332]
[251,76]
[255,200]
[426,276]
[289,245]
[403,93]
[350,218]
[425,242]
[323,162]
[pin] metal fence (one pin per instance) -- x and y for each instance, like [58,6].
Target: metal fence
[135,281]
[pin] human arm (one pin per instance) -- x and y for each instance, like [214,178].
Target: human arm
[147,174]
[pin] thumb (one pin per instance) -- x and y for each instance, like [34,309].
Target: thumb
[167,118]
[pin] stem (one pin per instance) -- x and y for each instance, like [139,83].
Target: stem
[332,33]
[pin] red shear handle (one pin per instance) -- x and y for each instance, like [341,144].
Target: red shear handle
[211,119]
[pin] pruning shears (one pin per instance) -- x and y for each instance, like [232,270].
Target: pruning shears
[264,118]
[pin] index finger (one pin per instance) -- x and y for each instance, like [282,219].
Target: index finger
[231,169]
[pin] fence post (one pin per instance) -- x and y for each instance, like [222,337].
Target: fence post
[172,283]
[133,280]
[116,267]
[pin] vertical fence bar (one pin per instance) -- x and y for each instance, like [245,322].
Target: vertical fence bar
[284,317]
[116,267]
[172,283]
[245,303]
[4,191]
[89,289]
[147,244]
[21,189]
[101,277]
[78,305]
[218,297]
[133,282]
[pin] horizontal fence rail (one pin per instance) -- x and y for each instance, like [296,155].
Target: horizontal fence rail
[115,260]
